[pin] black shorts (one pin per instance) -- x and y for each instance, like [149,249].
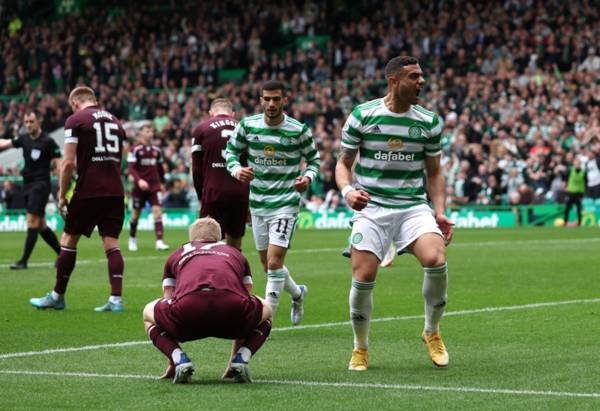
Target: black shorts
[213,313]
[594,191]
[231,216]
[83,215]
[36,197]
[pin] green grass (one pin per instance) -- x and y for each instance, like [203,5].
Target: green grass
[550,349]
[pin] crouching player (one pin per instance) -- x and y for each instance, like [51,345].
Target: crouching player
[207,286]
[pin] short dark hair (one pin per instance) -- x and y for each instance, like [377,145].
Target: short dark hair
[273,85]
[397,63]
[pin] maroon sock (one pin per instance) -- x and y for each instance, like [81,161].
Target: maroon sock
[115,270]
[132,228]
[258,336]
[158,229]
[65,264]
[162,341]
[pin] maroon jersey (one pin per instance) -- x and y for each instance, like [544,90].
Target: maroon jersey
[145,162]
[201,264]
[211,179]
[99,137]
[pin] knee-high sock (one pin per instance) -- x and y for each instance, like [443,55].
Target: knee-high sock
[163,342]
[50,238]
[30,240]
[115,270]
[255,340]
[65,264]
[361,307]
[290,285]
[133,228]
[158,229]
[435,287]
[275,285]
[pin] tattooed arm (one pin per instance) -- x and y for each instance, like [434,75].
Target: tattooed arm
[357,199]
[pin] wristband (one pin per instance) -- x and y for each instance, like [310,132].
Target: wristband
[346,190]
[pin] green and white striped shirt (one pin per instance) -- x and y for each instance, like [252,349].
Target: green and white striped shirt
[392,149]
[274,153]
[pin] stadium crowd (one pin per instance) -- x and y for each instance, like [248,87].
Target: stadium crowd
[520,99]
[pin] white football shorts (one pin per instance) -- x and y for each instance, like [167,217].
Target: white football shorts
[375,227]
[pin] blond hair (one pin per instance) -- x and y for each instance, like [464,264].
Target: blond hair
[82,94]
[221,105]
[206,229]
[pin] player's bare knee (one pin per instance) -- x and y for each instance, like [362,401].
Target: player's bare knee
[148,312]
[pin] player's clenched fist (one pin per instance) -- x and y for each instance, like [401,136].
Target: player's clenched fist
[301,183]
[357,199]
[245,174]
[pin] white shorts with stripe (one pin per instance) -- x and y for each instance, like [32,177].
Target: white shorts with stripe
[375,227]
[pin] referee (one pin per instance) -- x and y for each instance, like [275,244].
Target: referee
[39,151]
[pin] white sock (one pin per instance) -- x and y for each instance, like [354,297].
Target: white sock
[275,285]
[361,307]
[290,285]
[115,299]
[176,355]
[245,353]
[435,286]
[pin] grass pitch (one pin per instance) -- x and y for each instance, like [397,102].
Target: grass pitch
[521,328]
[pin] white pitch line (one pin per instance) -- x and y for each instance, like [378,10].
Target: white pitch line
[338,249]
[309,326]
[326,384]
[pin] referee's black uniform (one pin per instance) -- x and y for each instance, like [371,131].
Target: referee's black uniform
[38,154]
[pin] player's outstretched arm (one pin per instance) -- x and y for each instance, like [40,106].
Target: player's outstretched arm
[357,199]
[5,144]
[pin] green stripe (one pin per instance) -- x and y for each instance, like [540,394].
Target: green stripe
[423,110]
[353,132]
[278,147]
[389,174]
[366,153]
[369,104]
[269,176]
[393,193]
[271,191]
[386,137]
[357,114]
[288,161]
[276,132]
[363,286]
[394,121]
[399,206]
[274,204]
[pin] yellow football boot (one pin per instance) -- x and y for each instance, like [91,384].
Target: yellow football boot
[359,360]
[437,349]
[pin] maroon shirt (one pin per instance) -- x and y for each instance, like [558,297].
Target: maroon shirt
[145,162]
[211,179]
[99,137]
[202,264]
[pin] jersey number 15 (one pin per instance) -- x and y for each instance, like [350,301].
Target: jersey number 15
[106,139]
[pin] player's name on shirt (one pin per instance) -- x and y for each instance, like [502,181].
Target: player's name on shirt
[223,123]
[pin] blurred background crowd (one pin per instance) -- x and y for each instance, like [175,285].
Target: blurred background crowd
[520,98]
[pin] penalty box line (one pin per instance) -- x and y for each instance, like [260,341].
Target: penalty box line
[326,384]
[310,326]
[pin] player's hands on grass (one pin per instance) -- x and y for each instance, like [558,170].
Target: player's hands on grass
[169,372]
[446,226]
[357,199]
[62,207]
[301,183]
[245,175]
[143,184]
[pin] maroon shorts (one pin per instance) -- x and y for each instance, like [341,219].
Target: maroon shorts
[107,213]
[231,216]
[141,197]
[214,313]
